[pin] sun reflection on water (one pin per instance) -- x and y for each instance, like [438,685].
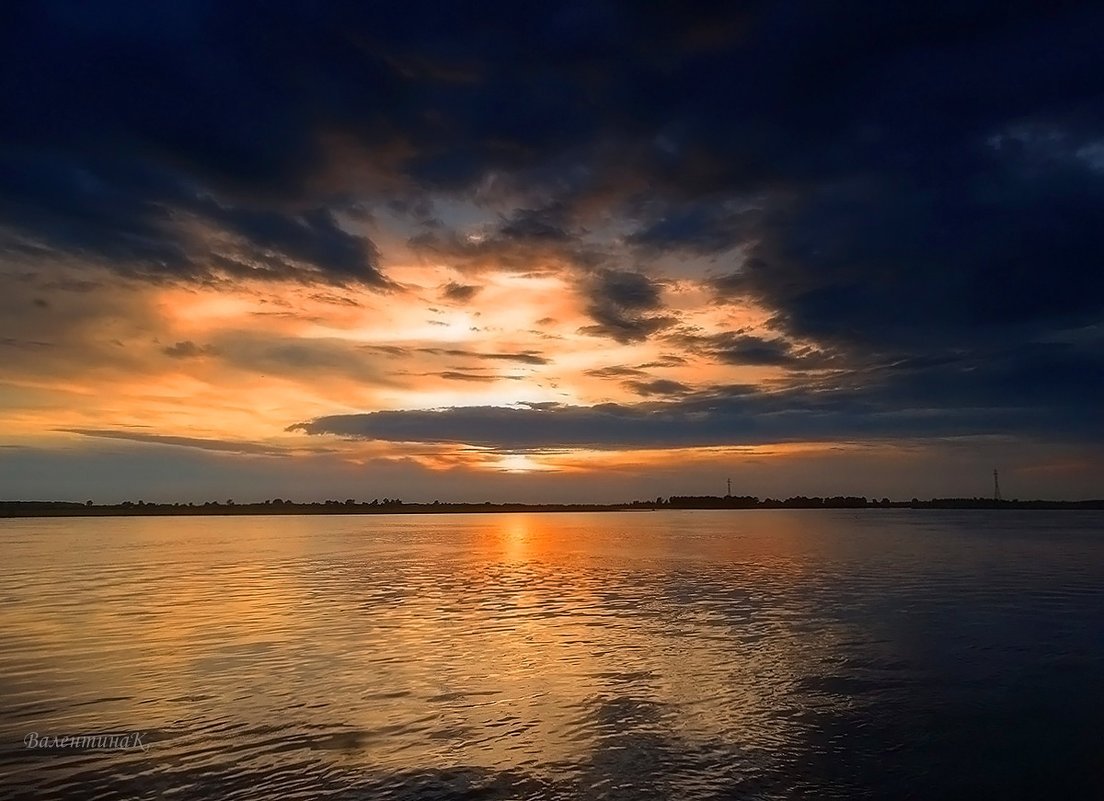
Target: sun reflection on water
[569,650]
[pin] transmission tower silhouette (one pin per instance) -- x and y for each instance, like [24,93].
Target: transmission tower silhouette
[996,486]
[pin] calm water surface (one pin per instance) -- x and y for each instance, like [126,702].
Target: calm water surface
[682,655]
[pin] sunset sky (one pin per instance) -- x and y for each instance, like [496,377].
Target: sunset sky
[550,252]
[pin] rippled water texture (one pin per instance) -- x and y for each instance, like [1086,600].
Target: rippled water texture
[683,655]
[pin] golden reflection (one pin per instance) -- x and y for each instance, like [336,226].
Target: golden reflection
[492,640]
[516,536]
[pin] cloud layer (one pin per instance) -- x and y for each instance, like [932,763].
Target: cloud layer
[600,225]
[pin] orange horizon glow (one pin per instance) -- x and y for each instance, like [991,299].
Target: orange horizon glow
[242,362]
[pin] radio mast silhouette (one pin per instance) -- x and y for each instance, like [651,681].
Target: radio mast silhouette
[996,486]
[729,495]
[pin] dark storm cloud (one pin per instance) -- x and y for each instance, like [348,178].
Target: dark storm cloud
[144,222]
[942,400]
[996,252]
[312,237]
[704,227]
[224,446]
[666,360]
[460,293]
[659,386]
[398,351]
[624,306]
[187,350]
[528,241]
[527,357]
[756,351]
[457,375]
[669,424]
[454,375]
[735,347]
[615,371]
[538,225]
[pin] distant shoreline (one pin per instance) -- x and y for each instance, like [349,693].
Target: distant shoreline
[19,509]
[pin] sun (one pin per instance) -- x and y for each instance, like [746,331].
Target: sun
[519,463]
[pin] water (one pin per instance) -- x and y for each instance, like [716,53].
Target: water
[682,655]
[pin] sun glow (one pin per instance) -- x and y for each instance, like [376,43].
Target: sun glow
[520,463]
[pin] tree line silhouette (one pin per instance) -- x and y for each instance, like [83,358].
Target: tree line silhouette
[397,505]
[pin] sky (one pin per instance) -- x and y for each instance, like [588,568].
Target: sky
[573,251]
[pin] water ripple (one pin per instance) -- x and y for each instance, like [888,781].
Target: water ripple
[671,655]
